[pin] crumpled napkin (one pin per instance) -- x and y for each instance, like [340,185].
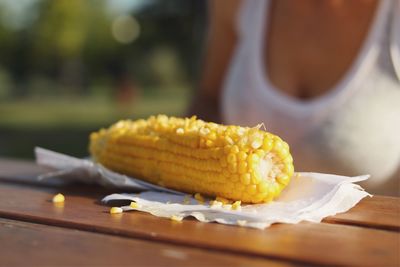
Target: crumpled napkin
[309,196]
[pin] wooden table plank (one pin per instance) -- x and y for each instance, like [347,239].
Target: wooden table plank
[303,243]
[49,245]
[376,212]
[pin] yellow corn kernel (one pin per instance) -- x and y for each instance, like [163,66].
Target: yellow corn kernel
[268,144]
[231,158]
[236,205]
[235,149]
[199,198]
[242,156]
[273,189]
[245,178]
[255,177]
[215,204]
[227,149]
[234,178]
[134,205]
[251,189]
[232,168]
[212,136]
[239,186]
[260,153]
[288,159]
[256,143]
[176,218]
[289,168]
[242,167]
[253,160]
[209,143]
[115,210]
[278,145]
[180,131]
[262,187]
[59,198]
[223,162]
[283,179]
[229,140]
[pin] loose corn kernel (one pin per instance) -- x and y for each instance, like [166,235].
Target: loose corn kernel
[134,205]
[215,204]
[59,198]
[176,218]
[115,210]
[236,205]
[199,198]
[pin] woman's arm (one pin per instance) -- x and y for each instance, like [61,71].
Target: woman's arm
[219,49]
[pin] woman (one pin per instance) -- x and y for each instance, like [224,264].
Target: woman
[324,75]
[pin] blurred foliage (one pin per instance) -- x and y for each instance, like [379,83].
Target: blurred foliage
[65,68]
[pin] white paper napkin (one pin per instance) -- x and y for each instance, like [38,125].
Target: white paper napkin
[309,196]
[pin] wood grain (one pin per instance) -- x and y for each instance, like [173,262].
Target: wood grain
[303,243]
[48,245]
[376,212]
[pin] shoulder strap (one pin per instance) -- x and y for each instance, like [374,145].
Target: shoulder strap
[395,38]
[249,16]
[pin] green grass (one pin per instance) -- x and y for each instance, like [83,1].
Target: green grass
[63,124]
[85,112]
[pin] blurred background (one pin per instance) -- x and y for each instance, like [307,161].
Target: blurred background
[69,67]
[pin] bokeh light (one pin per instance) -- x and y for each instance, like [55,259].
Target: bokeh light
[125,29]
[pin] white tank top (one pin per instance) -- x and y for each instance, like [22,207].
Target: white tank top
[352,129]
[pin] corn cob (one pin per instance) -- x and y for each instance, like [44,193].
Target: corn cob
[193,156]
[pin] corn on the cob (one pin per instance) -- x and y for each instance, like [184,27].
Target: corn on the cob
[193,156]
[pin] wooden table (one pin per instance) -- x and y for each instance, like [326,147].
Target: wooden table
[35,232]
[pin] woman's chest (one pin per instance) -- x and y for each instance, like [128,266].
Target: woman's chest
[307,52]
